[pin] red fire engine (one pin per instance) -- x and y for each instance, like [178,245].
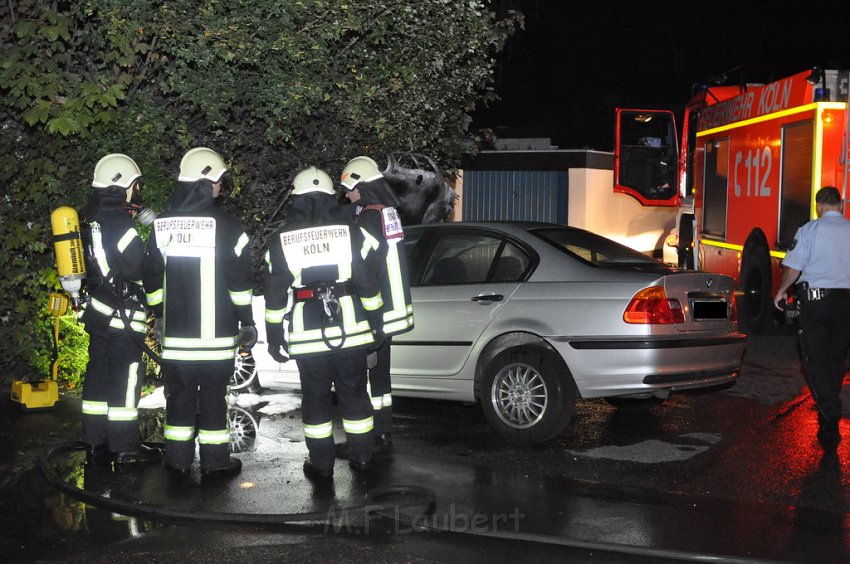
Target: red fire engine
[752,158]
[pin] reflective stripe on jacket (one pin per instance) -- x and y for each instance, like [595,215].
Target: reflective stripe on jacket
[302,261]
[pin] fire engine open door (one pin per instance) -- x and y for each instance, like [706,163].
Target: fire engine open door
[646,156]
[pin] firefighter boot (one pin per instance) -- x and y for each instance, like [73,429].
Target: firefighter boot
[233,467]
[141,454]
[314,473]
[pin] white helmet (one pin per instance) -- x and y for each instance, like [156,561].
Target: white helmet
[115,170]
[359,169]
[200,163]
[312,180]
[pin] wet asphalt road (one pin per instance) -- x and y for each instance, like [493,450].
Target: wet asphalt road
[732,474]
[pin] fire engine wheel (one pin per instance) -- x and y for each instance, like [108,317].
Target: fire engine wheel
[245,377]
[525,398]
[757,304]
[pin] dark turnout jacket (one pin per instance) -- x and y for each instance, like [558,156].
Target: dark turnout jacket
[198,276]
[322,275]
[114,258]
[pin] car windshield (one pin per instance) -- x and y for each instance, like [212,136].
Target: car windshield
[599,251]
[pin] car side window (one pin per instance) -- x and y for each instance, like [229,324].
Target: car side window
[461,258]
[510,265]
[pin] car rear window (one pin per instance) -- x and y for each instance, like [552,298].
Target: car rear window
[599,251]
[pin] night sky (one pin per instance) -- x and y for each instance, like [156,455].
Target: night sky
[575,61]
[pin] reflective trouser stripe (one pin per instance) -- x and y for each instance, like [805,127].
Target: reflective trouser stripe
[175,433]
[320,431]
[358,427]
[95,407]
[388,400]
[123,414]
[218,437]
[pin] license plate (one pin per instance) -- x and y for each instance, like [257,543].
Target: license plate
[708,310]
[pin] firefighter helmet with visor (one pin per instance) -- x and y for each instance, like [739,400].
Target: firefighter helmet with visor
[115,170]
[312,180]
[359,169]
[201,163]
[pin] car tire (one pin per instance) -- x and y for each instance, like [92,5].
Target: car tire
[245,377]
[525,398]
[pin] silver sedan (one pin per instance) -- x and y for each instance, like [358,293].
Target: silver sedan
[525,318]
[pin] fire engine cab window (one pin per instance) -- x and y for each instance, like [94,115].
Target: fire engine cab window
[796,189]
[715,187]
[648,158]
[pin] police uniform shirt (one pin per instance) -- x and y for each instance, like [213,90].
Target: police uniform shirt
[822,252]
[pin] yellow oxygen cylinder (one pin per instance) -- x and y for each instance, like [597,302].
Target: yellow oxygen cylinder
[68,247]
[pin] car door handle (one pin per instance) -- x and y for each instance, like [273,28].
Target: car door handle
[488,298]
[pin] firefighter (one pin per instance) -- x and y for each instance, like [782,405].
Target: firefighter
[376,212]
[114,259]
[322,279]
[198,282]
[819,258]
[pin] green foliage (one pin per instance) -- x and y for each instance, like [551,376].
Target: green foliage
[273,85]
[72,353]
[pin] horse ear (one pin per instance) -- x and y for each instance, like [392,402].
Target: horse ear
[392,164]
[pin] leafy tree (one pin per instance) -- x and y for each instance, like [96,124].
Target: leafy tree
[272,85]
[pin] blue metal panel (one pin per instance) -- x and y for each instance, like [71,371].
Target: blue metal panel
[515,195]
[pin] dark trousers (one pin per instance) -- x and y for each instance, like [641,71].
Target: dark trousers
[197,401]
[111,390]
[346,371]
[380,388]
[824,338]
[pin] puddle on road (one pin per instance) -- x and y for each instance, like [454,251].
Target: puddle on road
[71,524]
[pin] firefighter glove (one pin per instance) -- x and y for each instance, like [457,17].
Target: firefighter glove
[279,352]
[379,338]
[247,336]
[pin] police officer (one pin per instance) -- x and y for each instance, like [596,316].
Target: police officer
[819,258]
[376,212]
[114,316]
[322,278]
[198,281]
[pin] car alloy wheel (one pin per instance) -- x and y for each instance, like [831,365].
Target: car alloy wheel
[519,395]
[526,398]
[244,377]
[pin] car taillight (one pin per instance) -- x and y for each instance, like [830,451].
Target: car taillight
[651,306]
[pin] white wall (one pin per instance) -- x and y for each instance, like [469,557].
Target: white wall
[593,205]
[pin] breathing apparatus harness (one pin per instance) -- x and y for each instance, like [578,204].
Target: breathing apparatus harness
[328,294]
